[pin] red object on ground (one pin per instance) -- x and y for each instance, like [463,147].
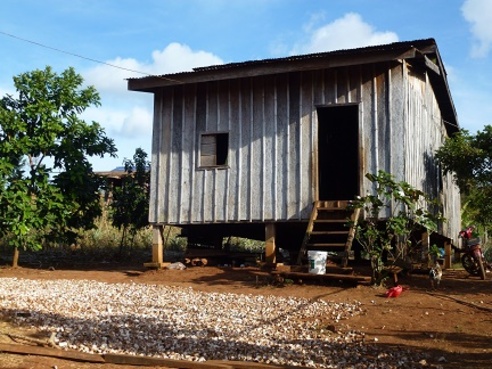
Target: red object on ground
[394,291]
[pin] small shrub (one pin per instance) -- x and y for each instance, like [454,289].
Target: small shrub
[177,243]
[239,244]
[391,216]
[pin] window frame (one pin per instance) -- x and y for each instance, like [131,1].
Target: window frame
[221,150]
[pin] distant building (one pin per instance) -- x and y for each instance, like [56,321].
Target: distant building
[114,179]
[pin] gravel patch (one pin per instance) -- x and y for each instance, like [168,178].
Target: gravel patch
[184,324]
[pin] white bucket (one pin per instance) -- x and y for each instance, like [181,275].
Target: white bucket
[317,261]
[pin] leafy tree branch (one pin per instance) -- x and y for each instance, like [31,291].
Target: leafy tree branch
[47,185]
[469,159]
[130,206]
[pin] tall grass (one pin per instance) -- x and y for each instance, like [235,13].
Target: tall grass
[103,244]
[99,245]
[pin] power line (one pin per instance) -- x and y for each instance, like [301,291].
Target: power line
[85,57]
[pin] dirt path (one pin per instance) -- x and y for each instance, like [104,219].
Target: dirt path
[452,324]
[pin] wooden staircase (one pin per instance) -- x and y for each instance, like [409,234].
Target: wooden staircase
[328,229]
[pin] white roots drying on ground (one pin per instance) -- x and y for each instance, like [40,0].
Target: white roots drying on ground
[180,323]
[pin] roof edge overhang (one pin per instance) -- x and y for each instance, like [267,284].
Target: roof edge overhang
[434,66]
[332,59]
[150,84]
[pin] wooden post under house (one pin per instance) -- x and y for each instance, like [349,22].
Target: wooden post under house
[157,248]
[270,248]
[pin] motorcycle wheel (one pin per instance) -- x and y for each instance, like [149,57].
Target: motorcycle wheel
[470,264]
[481,269]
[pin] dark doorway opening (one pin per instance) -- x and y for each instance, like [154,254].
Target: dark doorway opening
[338,148]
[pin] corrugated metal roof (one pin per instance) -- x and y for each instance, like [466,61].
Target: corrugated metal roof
[418,44]
[396,46]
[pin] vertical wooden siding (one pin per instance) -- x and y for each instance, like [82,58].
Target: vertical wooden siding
[424,134]
[272,125]
[271,152]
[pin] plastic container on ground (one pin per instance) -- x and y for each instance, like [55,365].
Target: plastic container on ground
[317,261]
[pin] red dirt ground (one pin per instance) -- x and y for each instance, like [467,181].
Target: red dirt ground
[453,323]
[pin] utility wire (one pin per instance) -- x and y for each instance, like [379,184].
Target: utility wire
[85,57]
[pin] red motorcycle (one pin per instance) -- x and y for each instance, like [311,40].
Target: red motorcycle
[473,259]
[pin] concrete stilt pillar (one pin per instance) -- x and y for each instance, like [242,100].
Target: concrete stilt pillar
[157,248]
[270,247]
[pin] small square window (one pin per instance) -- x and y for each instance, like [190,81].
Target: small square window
[214,148]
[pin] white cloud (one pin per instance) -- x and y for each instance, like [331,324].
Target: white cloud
[138,123]
[107,78]
[109,118]
[130,127]
[131,121]
[479,14]
[347,32]
[126,115]
[175,57]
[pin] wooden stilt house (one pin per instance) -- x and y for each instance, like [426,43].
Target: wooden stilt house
[256,149]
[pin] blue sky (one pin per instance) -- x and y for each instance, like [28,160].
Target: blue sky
[166,36]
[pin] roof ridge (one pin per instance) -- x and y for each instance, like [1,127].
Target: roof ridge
[393,45]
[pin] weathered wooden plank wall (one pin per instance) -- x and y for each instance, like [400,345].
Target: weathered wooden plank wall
[424,134]
[272,126]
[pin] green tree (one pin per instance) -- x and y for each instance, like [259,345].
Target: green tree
[130,205]
[469,159]
[47,186]
[393,215]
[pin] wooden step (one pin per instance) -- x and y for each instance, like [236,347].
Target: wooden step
[334,204]
[330,268]
[326,244]
[329,208]
[339,221]
[329,233]
[327,225]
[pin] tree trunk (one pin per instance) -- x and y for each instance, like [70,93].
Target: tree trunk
[15,259]
[122,243]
